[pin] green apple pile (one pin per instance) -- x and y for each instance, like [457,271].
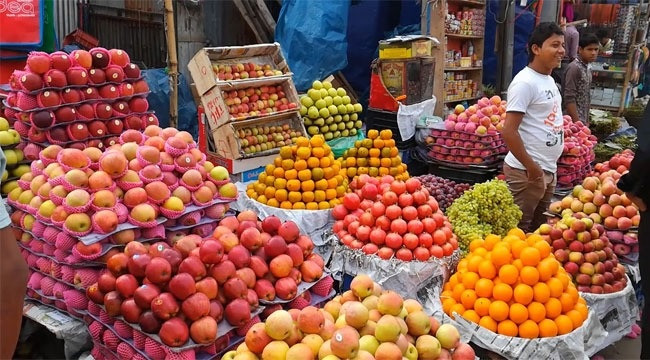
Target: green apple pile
[8,136]
[329,111]
[363,323]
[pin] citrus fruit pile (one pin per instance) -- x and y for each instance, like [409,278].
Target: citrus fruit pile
[304,176]
[376,156]
[514,287]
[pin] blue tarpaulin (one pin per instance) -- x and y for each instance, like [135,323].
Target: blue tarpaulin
[313,35]
[158,99]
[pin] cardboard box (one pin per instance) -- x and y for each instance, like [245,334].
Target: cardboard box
[412,78]
[215,106]
[260,54]
[244,170]
[401,47]
[228,144]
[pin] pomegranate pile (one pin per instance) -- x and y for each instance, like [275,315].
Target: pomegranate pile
[390,217]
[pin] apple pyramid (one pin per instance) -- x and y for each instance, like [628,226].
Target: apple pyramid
[304,176]
[376,156]
[365,322]
[602,201]
[586,253]
[514,287]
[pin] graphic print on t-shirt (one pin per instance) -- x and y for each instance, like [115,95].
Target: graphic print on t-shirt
[555,134]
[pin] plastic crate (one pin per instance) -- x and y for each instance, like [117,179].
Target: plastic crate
[382,120]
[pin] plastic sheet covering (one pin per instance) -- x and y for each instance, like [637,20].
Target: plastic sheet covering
[313,30]
[616,312]
[341,144]
[418,280]
[314,223]
[408,116]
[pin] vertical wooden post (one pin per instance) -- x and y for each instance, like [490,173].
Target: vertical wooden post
[172,60]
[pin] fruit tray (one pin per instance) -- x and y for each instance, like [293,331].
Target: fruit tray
[228,88]
[223,328]
[454,151]
[477,162]
[51,306]
[80,264]
[203,221]
[463,142]
[302,287]
[77,121]
[89,84]
[452,134]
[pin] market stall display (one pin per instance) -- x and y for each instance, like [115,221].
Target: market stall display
[375,155]
[578,153]
[393,218]
[486,208]
[366,322]
[329,111]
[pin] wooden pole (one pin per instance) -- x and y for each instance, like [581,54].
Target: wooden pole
[172,60]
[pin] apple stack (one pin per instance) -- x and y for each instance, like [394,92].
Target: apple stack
[599,199]
[190,294]
[329,111]
[577,155]
[85,99]
[587,254]
[366,322]
[513,286]
[390,217]
[619,162]
[375,155]
[470,136]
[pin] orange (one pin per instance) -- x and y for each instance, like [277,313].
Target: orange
[291,174]
[483,287]
[467,298]
[508,274]
[473,263]
[488,323]
[386,134]
[262,199]
[331,184]
[319,195]
[475,244]
[453,281]
[304,175]
[278,172]
[472,316]
[501,255]
[543,247]
[518,264]
[446,293]
[447,305]
[330,194]
[303,153]
[462,265]
[518,313]
[547,328]
[582,300]
[307,185]
[285,152]
[536,311]
[564,278]
[270,180]
[373,134]
[286,205]
[458,291]
[529,256]
[318,152]
[312,206]
[528,330]
[529,275]
[547,268]
[457,308]
[317,140]
[553,308]
[269,192]
[487,270]
[502,292]
[499,310]
[490,241]
[293,185]
[321,184]
[314,162]
[308,196]
[273,202]
[564,324]
[556,287]
[571,290]
[470,279]
[508,328]
[576,318]
[278,160]
[299,205]
[523,294]
[542,292]
[378,143]
[482,306]
[294,197]
[567,302]
[518,233]
[374,153]
[302,141]
[280,183]
[323,205]
[287,164]
[481,252]
[281,195]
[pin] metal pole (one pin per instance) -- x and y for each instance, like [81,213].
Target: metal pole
[173,64]
[508,46]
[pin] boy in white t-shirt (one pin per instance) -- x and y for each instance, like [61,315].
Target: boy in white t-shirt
[533,126]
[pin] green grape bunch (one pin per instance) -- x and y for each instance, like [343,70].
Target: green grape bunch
[487,208]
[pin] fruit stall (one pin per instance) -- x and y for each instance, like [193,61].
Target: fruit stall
[293,227]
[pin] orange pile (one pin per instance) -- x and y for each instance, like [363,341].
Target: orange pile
[304,176]
[515,287]
[376,156]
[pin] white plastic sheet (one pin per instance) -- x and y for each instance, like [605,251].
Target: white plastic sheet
[408,116]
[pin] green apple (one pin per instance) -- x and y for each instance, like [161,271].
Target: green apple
[4,124]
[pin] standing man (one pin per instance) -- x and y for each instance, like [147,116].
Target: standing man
[13,281]
[636,185]
[533,127]
[576,87]
[606,43]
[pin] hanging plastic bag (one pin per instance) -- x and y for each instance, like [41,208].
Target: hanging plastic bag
[408,116]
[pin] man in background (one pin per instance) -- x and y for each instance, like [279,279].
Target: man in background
[606,43]
[576,85]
